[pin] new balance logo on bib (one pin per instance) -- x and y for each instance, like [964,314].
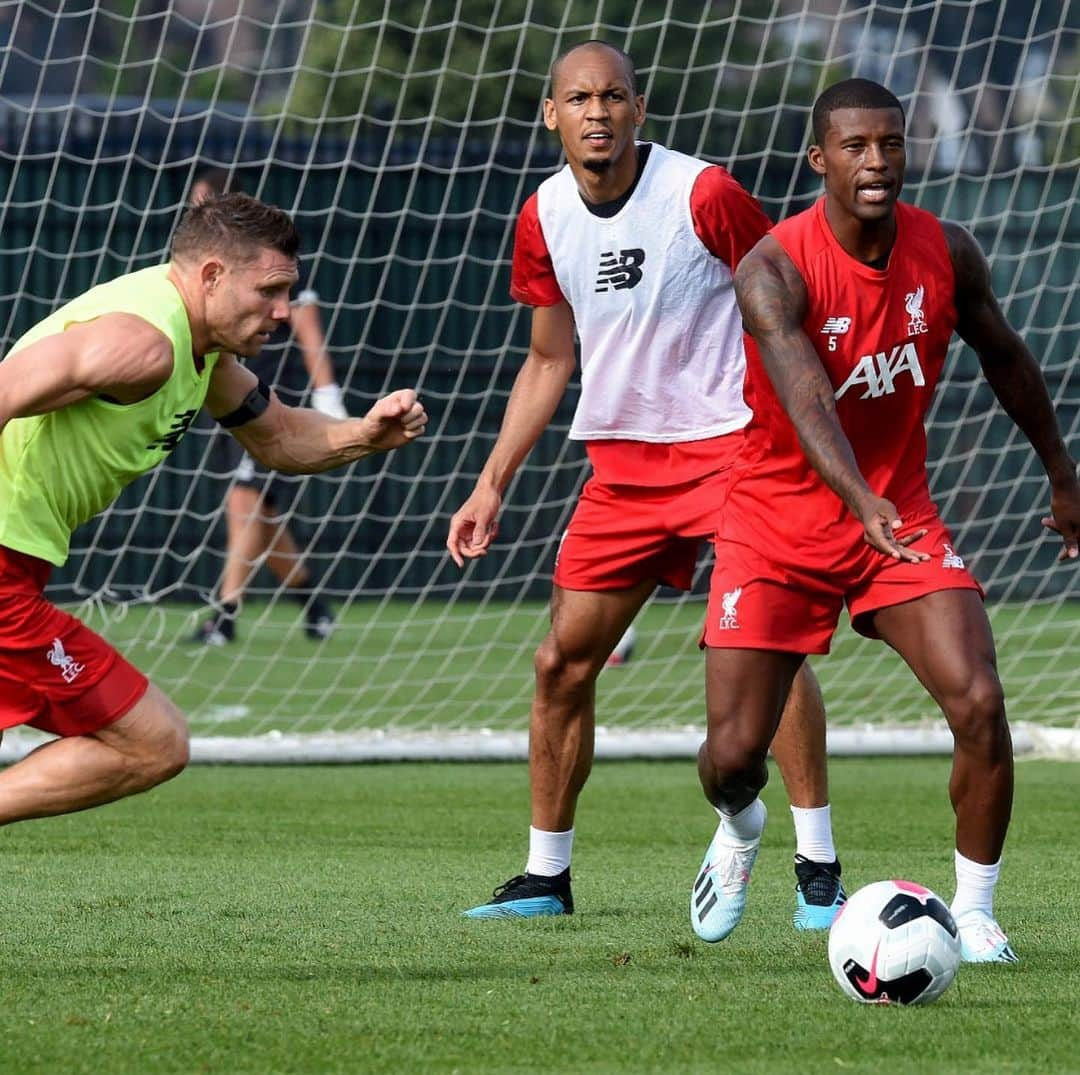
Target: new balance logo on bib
[620,271]
[168,441]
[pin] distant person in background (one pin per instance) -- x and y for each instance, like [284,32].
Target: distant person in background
[259,501]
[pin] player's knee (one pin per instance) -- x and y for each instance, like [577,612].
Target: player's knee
[164,754]
[733,755]
[977,717]
[157,744]
[242,502]
[175,753]
[559,671]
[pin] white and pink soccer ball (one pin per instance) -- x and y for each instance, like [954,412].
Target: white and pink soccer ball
[894,942]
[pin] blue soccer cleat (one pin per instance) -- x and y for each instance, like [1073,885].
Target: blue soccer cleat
[819,893]
[718,898]
[528,896]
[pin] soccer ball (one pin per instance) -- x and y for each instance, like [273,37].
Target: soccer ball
[894,942]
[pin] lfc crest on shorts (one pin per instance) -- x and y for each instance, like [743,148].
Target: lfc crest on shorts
[729,620]
[69,667]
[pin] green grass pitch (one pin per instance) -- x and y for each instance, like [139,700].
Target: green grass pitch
[397,664]
[306,920]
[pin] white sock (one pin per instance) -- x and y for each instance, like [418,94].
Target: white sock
[813,833]
[748,824]
[549,852]
[975,883]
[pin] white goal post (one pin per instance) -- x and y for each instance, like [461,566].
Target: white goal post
[405,137]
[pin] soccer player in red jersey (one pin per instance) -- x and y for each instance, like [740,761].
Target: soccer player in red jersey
[96,394]
[632,246]
[850,307]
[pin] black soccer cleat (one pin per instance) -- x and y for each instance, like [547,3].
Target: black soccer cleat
[218,630]
[819,893]
[318,620]
[528,896]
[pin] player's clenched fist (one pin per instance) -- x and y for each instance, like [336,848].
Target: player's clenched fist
[394,420]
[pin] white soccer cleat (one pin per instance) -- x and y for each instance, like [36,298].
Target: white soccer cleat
[718,898]
[982,940]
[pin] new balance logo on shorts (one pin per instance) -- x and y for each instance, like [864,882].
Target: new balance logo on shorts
[69,667]
[620,271]
[168,441]
[729,621]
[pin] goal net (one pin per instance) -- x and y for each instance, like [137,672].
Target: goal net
[405,137]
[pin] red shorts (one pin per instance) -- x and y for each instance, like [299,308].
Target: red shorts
[758,601]
[55,673]
[622,535]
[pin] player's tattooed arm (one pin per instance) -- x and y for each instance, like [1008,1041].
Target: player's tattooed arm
[772,298]
[1016,378]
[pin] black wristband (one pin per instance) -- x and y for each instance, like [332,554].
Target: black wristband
[252,405]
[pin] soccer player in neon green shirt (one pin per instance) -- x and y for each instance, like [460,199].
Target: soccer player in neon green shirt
[90,398]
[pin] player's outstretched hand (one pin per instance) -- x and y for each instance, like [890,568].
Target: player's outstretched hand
[881,521]
[1064,519]
[394,420]
[473,526]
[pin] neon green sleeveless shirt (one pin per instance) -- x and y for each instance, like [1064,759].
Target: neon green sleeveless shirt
[60,469]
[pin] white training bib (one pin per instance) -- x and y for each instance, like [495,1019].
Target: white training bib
[661,337]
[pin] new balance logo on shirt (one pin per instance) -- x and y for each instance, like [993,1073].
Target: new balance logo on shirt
[836,326]
[621,270]
[833,327]
[168,441]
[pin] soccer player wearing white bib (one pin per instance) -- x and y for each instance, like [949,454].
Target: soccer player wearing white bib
[633,247]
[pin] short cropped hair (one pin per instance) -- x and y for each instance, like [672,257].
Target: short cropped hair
[235,225]
[628,63]
[851,93]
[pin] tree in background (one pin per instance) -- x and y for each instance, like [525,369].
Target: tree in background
[379,70]
[485,79]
